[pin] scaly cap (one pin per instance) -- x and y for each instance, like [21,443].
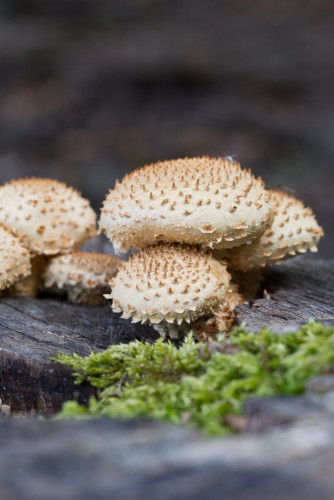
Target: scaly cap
[171,283]
[14,259]
[294,230]
[203,201]
[83,276]
[48,216]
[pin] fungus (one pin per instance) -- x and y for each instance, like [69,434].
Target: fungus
[14,259]
[46,215]
[82,276]
[294,230]
[169,286]
[211,202]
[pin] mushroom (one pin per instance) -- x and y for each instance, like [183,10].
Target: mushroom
[169,286]
[211,202]
[82,276]
[294,230]
[48,217]
[14,259]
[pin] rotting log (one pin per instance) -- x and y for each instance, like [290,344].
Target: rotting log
[33,330]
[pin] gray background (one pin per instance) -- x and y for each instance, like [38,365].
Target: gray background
[91,89]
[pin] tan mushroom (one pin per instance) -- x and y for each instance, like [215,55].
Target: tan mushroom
[294,230]
[48,216]
[169,286]
[205,201]
[14,259]
[83,277]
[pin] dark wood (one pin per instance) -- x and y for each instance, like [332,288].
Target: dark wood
[33,330]
[295,292]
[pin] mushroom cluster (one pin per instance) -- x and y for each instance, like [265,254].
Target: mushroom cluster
[204,227]
[42,222]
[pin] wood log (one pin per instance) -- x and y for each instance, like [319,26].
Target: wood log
[108,459]
[33,330]
[293,293]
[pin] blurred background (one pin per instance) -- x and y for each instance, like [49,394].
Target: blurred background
[91,89]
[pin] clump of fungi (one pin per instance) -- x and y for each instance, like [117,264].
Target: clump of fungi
[43,221]
[204,228]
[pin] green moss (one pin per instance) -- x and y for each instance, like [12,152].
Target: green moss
[197,384]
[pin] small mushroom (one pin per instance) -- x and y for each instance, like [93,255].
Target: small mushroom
[169,286]
[14,260]
[294,230]
[211,202]
[48,216]
[83,277]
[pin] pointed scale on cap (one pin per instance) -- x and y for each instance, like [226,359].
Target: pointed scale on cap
[294,230]
[205,201]
[48,216]
[169,283]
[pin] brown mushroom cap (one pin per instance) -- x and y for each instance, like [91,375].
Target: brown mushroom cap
[294,230]
[84,277]
[203,201]
[14,259]
[48,216]
[169,283]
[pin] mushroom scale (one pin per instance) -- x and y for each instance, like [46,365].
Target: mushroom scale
[169,284]
[294,230]
[14,259]
[48,216]
[211,202]
[82,276]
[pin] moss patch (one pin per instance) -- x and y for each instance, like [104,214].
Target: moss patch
[199,384]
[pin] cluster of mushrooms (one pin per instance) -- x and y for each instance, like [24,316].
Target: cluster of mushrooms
[204,229]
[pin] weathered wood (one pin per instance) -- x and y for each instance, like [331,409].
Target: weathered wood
[295,292]
[102,459]
[33,330]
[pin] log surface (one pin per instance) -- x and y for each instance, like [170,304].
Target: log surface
[135,460]
[296,291]
[33,330]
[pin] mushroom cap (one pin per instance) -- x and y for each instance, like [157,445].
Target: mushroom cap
[48,216]
[14,259]
[294,230]
[83,276]
[172,283]
[203,201]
